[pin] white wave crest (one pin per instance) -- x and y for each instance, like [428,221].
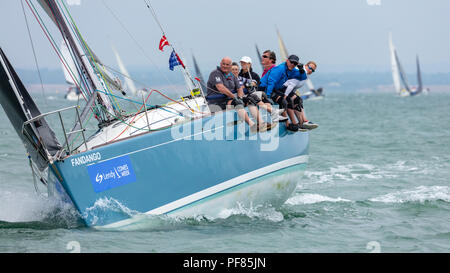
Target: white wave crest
[420,194]
[349,172]
[106,205]
[311,198]
[260,211]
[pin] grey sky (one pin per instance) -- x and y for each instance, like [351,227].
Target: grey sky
[345,35]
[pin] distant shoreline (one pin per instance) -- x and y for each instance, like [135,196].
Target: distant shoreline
[330,87]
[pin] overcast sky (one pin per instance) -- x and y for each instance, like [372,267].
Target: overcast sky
[345,35]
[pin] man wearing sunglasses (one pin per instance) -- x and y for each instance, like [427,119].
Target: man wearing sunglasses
[268,60]
[295,102]
[273,83]
[273,80]
[224,91]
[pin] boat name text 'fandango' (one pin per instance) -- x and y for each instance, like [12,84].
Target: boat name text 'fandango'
[84,159]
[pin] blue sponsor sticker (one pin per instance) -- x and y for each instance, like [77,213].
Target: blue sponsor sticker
[112,173]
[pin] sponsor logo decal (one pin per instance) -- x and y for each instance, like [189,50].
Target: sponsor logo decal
[112,173]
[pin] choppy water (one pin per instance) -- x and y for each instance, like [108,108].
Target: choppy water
[378,175]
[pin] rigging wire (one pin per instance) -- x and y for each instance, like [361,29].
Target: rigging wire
[34,53]
[171,84]
[49,37]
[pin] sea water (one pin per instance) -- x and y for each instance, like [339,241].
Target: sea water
[377,180]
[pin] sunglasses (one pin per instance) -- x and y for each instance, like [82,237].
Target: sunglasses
[294,63]
[265,56]
[310,68]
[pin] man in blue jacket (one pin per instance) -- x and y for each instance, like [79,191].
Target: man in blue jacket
[273,82]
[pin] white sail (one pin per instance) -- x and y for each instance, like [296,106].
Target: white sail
[419,76]
[284,55]
[283,50]
[128,81]
[70,70]
[310,84]
[394,66]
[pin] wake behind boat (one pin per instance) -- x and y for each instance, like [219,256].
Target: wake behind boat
[176,159]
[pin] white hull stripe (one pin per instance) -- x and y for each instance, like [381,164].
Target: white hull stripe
[216,189]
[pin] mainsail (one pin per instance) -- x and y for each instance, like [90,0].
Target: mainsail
[394,66]
[199,74]
[402,74]
[284,55]
[70,74]
[283,51]
[419,76]
[39,140]
[258,53]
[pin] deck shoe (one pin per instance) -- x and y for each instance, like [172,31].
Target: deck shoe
[292,127]
[309,125]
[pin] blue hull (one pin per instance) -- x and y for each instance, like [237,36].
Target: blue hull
[158,173]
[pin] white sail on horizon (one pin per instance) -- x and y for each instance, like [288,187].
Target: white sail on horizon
[128,81]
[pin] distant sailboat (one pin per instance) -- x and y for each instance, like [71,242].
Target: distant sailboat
[312,93]
[399,75]
[199,74]
[129,83]
[258,53]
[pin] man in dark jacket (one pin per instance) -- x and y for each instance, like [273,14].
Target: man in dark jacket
[250,80]
[224,90]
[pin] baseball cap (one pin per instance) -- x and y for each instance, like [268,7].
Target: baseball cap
[246,59]
[294,58]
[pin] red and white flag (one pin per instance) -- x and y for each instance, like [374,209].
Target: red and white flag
[163,42]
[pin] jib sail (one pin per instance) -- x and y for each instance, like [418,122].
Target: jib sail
[39,140]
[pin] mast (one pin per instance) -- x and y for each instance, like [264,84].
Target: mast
[85,71]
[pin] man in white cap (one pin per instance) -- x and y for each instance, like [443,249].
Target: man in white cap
[250,80]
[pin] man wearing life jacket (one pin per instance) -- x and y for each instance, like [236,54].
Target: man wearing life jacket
[250,81]
[273,82]
[224,90]
[295,102]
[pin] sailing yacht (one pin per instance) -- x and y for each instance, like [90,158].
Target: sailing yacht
[312,93]
[399,78]
[175,159]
